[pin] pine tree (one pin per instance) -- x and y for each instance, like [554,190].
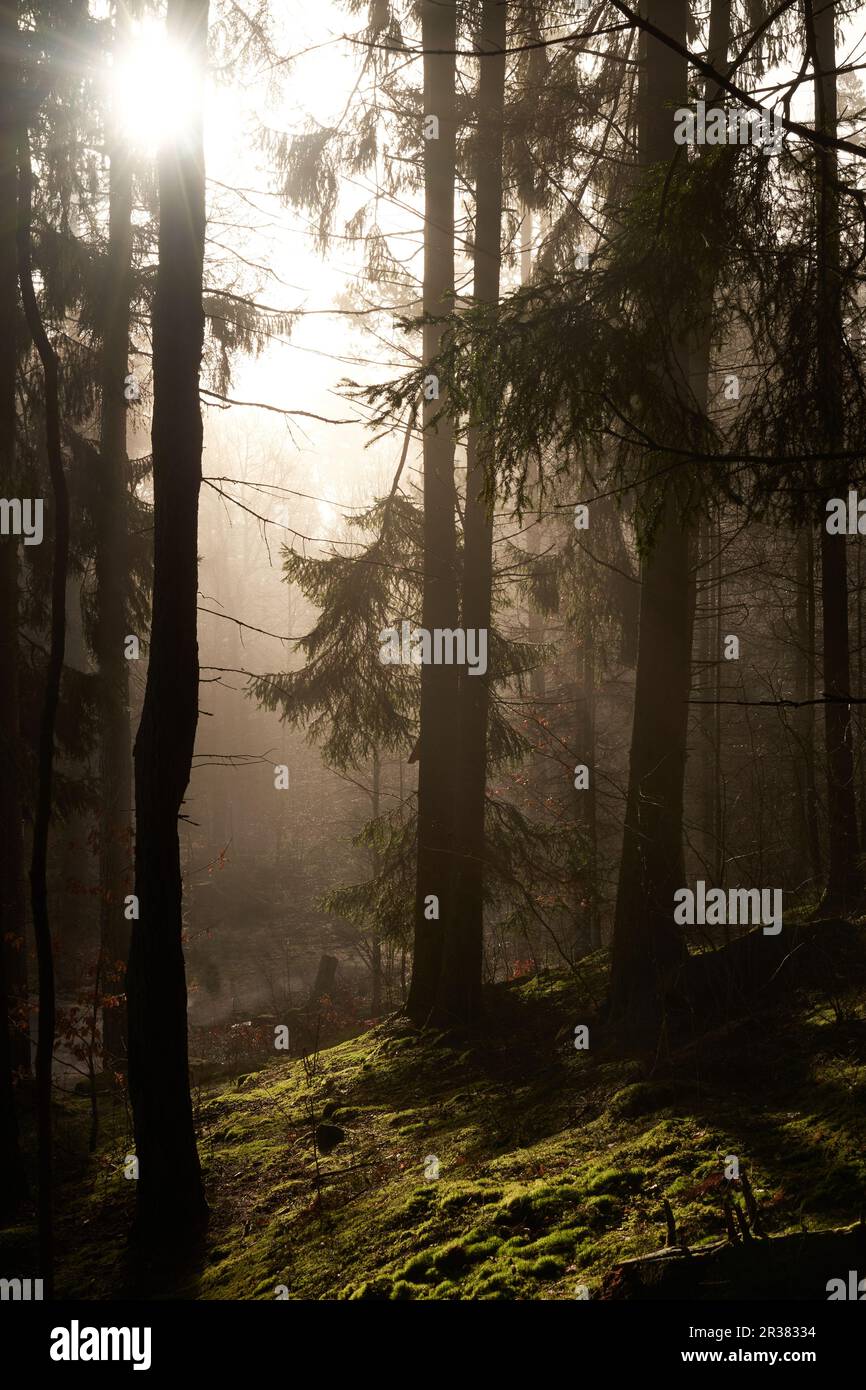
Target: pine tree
[438,751]
[646,944]
[112,582]
[458,997]
[13,992]
[169,1188]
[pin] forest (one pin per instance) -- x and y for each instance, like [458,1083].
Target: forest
[433,653]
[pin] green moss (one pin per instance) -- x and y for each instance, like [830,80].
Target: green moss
[453,1258]
[614,1181]
[453,1201]
[376,1289]
[641,1098]
[547,1268]
[418,1270]
[402,1290]
[602,1211]
[543,1167]
[446,1290]
[497,1286]
[481,1249]
[551,1244]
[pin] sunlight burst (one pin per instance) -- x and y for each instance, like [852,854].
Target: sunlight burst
[155,88]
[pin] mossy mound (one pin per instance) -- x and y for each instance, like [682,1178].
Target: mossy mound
[509,1167]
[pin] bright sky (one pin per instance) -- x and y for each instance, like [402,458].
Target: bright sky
[153,94]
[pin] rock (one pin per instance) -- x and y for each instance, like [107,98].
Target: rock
[328,1137]
[796,1266]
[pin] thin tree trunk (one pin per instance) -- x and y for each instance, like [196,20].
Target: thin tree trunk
[13,946]
[48,720]
[589,797]
[647,946]
[719,40]
[13,1185]
[706,715]
[536,628]
[169,1189]
[376,945]
[844,880]
[861,763]
[711,712]
[112,580]
[719,802]
[534,546]
[805,691]
[438,716]
[459,998]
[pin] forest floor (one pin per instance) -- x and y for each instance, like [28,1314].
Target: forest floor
[553,1163]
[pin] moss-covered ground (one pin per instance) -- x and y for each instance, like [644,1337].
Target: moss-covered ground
[512,1166]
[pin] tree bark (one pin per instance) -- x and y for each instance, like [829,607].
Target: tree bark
[438,714]
[805,717]
[112,581]
[460,996]
[647,946]
[13,971]
[844,887]
[719,40]
[588,799]
[376,942]
[169,1188]
[48,718]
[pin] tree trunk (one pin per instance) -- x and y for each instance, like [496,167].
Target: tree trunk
[13,972]
[589,798]
[719,40]
[536,626]
[459,997]
[647,946]
[707,712]
[844,879]
[326,978]
[376,943]
[805,690]
[438,717]
[48,719]
[169,1189]
[112,579]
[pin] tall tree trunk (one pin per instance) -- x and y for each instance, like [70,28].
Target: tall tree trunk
[647,946]
[536,631]
[48,719]
[170,1195]
[376,943]
[437,770]
[719,40]
[587,800]
[534,546]
[707,713]
[720,802]
[844,879]
[112,580]
[804,689]
[459,998]
[12,946]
